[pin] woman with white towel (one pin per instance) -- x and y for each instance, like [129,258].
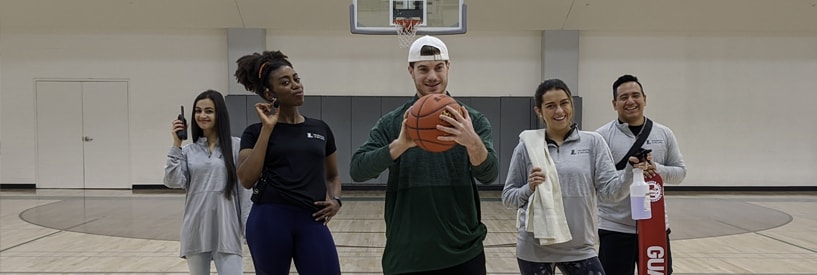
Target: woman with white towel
[554,179]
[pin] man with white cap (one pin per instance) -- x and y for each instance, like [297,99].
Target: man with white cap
[432,210]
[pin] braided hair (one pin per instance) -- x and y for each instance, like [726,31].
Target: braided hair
[254,70]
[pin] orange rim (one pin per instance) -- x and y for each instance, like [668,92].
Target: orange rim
[407,24]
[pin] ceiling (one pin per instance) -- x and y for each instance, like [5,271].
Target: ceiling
[483,15]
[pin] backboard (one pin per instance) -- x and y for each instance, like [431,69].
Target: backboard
[377,17]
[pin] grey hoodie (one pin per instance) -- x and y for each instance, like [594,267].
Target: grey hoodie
[615,214]
[211,222]
[586,170]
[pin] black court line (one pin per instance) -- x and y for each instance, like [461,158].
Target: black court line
[46,235]
[772,237]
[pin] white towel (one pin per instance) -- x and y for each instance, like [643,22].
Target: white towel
[545,212]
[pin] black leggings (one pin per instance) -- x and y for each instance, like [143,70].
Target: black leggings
[591,266]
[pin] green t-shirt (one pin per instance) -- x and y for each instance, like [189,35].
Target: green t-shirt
[432,205]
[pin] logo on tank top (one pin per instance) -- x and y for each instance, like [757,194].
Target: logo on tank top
[313,135]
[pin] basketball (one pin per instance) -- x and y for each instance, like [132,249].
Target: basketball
[423,118]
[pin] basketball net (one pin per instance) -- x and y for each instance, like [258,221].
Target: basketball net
[406,30]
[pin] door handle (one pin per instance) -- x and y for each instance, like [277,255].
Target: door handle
[87,139]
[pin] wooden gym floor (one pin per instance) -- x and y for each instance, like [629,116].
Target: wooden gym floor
[136,232]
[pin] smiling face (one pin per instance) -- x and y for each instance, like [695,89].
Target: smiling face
[286,87]
[205,114]
[430,77]
[556,110]
[629,102]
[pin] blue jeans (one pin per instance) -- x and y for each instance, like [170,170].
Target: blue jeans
[226,264]
[590,266]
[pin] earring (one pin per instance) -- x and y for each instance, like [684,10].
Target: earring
[274,99]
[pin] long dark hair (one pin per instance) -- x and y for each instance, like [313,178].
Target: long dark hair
[225,140]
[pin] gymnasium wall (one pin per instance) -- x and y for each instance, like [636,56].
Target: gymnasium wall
[164,68]
[482,64]
[739,103]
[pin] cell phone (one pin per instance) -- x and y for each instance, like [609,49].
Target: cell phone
[182,134]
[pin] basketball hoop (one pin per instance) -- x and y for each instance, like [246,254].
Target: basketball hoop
[406,30]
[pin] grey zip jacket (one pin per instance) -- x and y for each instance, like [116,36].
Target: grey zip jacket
[615,214]
[586,173]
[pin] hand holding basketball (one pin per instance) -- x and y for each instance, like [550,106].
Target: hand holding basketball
[425,118]
[460,129]
[404,137]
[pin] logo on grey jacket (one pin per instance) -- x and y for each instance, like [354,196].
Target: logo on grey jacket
[655,141]
[579,151]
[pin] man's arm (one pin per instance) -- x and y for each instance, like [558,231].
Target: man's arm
[612,185]
[487,170]
[672,169]
[374,156]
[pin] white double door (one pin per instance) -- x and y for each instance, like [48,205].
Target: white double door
[82,134]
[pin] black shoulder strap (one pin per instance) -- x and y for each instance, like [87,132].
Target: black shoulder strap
[642,137]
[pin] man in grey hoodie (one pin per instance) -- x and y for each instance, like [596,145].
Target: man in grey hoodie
[618,249]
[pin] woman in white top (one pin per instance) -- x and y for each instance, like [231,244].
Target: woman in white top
[215,207]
